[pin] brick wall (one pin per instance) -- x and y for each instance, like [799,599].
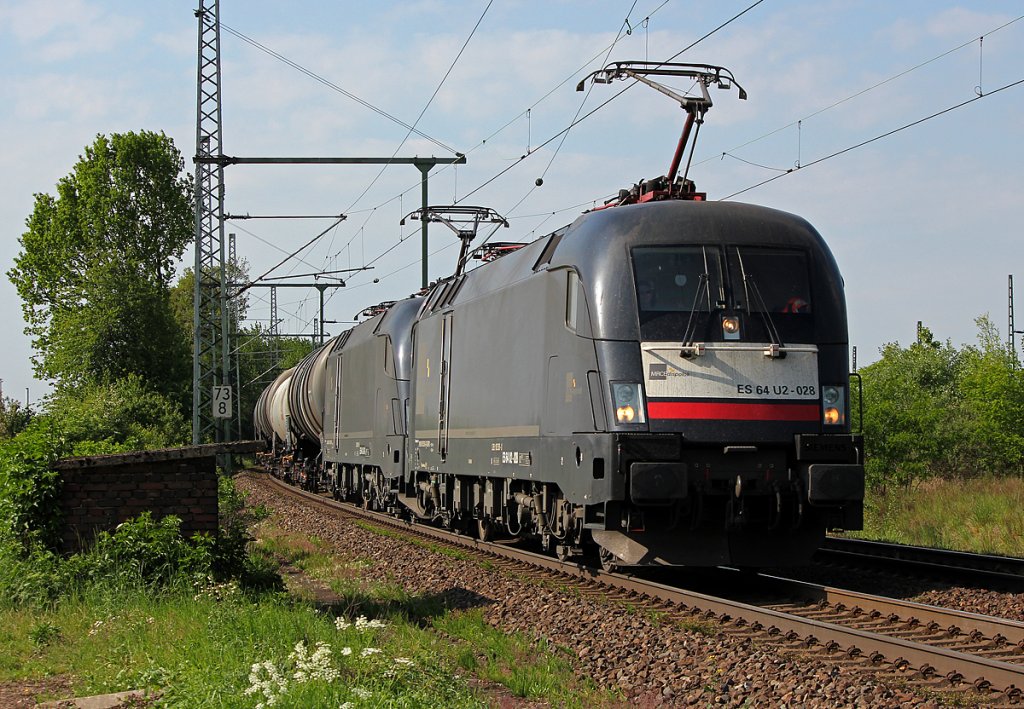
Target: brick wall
[100,492]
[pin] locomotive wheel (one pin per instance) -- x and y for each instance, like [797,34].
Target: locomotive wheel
[609,562]
[484,531]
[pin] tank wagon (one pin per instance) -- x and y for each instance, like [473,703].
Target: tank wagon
[289,416]
[664,381]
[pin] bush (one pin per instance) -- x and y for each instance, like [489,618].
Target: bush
[140,553]
[143,552]
[14,418]
[29,487]
[29,575]
[934,411]
[117,416]
[231,555]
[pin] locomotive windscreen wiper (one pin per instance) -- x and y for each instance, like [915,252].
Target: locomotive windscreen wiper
[753,293]
[704,284]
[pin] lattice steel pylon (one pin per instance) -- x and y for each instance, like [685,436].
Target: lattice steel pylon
[210,353]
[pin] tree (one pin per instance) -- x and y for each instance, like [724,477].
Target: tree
[911,411]
[14,417]
[97,262]
[261,358]
[931,410]
[992,388]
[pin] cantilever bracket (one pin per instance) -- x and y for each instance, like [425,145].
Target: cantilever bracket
[464,221]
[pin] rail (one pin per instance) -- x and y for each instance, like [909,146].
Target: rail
[866,645]
[986,568]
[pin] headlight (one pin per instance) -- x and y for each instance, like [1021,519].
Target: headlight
[834,405]
[628,402]
[731,327]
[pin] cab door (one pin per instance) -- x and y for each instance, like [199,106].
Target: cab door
[444,396]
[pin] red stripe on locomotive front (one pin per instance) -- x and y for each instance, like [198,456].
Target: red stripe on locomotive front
[700,410]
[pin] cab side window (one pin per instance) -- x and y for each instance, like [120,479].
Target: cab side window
[572,299]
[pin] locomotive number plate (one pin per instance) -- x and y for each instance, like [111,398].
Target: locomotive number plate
[726,371]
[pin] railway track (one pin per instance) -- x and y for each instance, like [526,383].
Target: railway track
[932,648]
[1004,571]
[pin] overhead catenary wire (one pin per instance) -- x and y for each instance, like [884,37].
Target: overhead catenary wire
[527,112]
[412,128]
[579,120]
[868,89]
[285,260]
[576,121]
[512,121]
[815,113]
[861,144]
[331,85]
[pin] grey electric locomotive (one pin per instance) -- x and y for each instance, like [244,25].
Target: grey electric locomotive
[668,380]
[367,382]
[664,381]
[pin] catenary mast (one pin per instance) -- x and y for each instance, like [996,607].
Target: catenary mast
[210,353]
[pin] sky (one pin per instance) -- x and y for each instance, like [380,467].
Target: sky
[925,223]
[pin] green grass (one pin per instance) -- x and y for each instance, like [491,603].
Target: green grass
[983,515]
[527,669]
[433,547]
[209,648]
[199,650]
[532,670]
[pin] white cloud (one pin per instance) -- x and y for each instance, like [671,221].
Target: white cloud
[58,30]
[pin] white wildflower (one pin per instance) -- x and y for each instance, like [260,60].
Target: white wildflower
[272,686]
[218,591]
[362,693]
[346,651]
[367,651]
[362,623]
[313,667]
[342,623]
[404,661]
[347,705]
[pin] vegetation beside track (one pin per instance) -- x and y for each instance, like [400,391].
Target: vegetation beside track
[944,444]
[935,411]
[983,515]
[207,622]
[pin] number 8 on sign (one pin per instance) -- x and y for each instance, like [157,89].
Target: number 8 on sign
[222,402]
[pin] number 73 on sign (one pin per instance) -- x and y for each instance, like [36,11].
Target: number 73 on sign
[222,402]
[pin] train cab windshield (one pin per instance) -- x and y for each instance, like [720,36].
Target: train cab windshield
[685,289]
[678,279]
[774,280]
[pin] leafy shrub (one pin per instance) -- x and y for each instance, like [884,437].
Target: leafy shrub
[934,411]
[117,416]
[29,574]
[43,633]
[29,487]
[231,556]
[139,553]
[14,418]
[143,552]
